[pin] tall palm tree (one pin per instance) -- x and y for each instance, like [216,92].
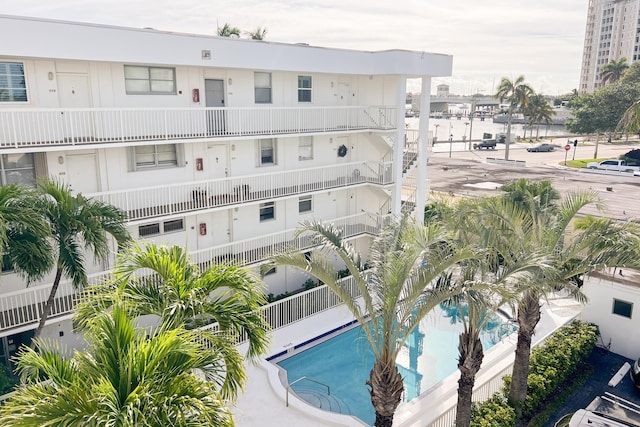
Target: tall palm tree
[78,224]
[613,70]
[496,230]
[398,291]
[163,282]
[228,31]
[540,110]
[260,33]
[517,93]
[123,378]
[24,234]
[575,251]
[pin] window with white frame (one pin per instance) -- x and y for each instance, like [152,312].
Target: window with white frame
[305,148]
[305,204]
[157,228]
[304,88]
[13,85]
[622,308]
[267,151]
[155,156]
[267,211]
[262,84]
[140,80]
[18,168]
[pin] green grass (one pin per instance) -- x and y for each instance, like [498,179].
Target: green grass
[582,163]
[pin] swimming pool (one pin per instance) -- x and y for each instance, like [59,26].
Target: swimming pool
[344,361]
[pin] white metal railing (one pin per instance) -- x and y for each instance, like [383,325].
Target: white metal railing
[149,202]
[410,155]
[75,126]
[408,204]
[23,307]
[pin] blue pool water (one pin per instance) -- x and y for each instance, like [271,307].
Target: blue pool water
[344,361]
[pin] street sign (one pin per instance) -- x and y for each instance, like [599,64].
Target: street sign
[567,147]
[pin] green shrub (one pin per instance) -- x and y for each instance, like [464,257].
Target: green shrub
[551,365]
[7,382]
[495,412]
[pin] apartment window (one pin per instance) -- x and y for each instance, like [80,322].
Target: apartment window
[262,83]
[267,211]
[155,156]
[304,88]
[622,308]
[13,86]
[157,228]
[267,148]
[18,168]
[149,80]
[305,148]
[305,204]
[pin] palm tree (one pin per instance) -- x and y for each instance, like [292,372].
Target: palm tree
[613,70]
[77,224]
[630,121]
[124,378]
[575,252]
[260,33]
[24,234]
[517,93]
[163,282]
[398,290]
[540,110]
[496,230]
[228,31]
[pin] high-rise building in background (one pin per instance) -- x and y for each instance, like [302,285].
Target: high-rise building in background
[611,34]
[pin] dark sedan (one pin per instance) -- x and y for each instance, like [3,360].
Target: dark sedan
[541,147]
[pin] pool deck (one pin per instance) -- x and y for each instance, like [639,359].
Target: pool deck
[263,402]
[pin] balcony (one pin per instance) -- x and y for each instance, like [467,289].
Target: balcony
[24,307]
[151,202]
[52,127]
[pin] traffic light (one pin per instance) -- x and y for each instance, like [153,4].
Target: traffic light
[575,143]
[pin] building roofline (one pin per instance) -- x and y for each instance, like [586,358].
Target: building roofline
[87,41]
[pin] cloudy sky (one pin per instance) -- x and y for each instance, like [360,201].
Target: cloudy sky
[541,39]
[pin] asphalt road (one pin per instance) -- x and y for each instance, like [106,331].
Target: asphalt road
[472,173]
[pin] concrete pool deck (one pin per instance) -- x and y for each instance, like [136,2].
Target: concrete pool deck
[263,403]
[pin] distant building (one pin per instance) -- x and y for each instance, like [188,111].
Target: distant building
[610,35]
[442,91]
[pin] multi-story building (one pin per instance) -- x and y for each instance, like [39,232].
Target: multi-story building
[220,145]
[612,33]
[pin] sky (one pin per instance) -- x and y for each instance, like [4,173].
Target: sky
[491,39]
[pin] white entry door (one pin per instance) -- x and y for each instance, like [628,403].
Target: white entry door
[216,162]
[82,173]
[74,92]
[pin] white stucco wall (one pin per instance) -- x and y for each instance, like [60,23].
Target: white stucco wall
[619,330]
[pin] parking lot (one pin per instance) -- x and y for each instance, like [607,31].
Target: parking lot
[473,173]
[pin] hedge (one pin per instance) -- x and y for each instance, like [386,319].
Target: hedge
[551,365]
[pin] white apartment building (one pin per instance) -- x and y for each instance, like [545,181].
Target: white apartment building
[612,32]
[219,145]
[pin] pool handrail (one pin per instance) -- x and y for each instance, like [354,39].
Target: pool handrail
[302,379]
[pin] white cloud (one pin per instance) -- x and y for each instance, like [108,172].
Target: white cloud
[541,40]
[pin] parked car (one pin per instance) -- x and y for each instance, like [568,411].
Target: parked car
[488,144]
[635,374]
[541,147]
[613,165]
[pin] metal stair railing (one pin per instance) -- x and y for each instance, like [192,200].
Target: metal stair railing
[305,379]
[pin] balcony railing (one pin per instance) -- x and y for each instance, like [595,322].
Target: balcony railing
[31,127]
[24,307]
[150,202]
